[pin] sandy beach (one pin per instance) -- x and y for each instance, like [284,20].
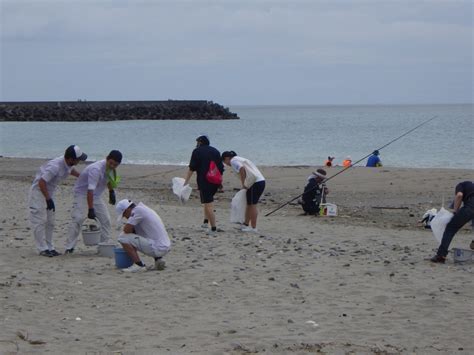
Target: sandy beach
[353,284]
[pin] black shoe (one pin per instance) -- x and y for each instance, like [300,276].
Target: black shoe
[46,253]
[54,253]
[69,251]
[438,259]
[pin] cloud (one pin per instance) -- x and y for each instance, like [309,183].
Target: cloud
[220,39]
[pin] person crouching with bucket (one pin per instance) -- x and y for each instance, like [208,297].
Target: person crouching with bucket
[144,232]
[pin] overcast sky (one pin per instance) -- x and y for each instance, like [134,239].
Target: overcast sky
[238,52]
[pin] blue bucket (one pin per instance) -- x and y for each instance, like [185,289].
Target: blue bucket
[122,260]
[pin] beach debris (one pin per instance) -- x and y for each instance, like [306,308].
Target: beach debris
[78,318]
[24,336]
[294,285]
[313,323]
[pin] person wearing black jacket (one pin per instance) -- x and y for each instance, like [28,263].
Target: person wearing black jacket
[313,192]
[200,163]
[464,195]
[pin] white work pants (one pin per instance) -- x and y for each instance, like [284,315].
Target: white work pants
[41,219]
[79,214]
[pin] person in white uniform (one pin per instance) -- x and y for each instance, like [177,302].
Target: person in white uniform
[144,232]
[252,180]
[90,185]
[41,197]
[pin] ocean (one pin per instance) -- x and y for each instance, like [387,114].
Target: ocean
[267,135]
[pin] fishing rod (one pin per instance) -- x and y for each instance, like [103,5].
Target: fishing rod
[358,161]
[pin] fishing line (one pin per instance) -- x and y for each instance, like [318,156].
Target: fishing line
[358,161]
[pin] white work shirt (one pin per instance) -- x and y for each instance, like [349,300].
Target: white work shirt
[239,162]
[148,225]
[93,177]
[52,172]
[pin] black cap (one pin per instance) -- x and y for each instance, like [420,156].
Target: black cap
[204,140]
[376,152]
[115,155]
[74,152]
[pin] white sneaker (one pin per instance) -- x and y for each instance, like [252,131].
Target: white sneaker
[135,268]
[211,233]
[204,226]
[249,229]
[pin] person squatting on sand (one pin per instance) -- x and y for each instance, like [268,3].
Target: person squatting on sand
[314,192]
[203,160]
[374,160]
[252,180]
[464,194]
[87,197]
[144,232]
[40,201]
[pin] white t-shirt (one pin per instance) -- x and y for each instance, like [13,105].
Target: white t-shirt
[93,177]
[239,162]
[148,225]
[52,172]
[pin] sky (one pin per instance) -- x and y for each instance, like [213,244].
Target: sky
[238,52]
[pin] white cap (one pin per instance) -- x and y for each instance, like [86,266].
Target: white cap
[121,207]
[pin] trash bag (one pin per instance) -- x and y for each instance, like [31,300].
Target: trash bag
[183,192]
[238,206]
[438,224]
[428,217]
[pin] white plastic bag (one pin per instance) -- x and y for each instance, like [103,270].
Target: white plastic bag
[238,206]
[183,192]
[438,224]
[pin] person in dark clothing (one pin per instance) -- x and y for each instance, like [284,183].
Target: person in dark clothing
[313,192]
[464,194]
[203,158]
[374,160]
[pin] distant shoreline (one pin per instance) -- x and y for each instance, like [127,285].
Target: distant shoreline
[100,111]
[38,161]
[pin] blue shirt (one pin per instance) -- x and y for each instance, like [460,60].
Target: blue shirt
[373,161]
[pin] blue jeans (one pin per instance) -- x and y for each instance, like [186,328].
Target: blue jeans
[464,215]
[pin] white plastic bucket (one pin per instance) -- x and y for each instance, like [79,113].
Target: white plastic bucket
[106,249]
[462,255]
[91,234]
[328,209]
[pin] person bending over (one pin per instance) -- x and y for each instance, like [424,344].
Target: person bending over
[464,195]
[144,232]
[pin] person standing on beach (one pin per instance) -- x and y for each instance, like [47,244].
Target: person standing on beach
[314,192]
[40,201]
[205,161]
[252,180]
[374,160]
[144,232]
[464,195]
[87,197]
